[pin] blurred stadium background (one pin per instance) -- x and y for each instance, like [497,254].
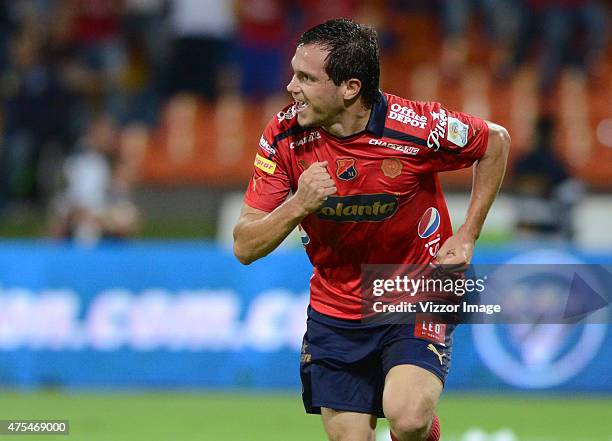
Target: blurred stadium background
[128,130]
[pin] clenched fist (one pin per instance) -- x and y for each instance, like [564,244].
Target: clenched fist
[315,185]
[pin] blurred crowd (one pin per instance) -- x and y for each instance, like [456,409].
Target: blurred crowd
[82,81]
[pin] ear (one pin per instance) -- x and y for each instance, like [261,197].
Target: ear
[352,88]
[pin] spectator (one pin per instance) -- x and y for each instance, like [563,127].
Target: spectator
[6,27]
[499,18]
[96,201]
[145,40]
[202,33]
[262,40]
[572,32]
[545,193]
[317,11]
[35,103]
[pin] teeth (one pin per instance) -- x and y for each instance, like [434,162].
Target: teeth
[300,105]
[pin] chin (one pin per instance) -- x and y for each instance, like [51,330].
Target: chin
[308,122]
[302,121]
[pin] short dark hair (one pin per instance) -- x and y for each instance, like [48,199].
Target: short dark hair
[353,53]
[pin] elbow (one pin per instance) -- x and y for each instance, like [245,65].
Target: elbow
[243,258]
[499,143]
[505,142]
[502,139]
[241,254]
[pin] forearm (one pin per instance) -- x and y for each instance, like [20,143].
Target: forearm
[255,238]
[487,178]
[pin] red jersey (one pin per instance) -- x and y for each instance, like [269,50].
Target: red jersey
[389,207]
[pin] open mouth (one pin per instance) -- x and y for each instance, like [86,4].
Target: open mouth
[300,106]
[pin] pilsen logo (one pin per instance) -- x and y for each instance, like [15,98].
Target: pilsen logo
[439,131]
[359,208]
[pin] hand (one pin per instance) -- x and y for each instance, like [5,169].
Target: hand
[315,185]
[456,253]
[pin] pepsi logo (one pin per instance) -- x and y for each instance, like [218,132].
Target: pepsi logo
[429,223]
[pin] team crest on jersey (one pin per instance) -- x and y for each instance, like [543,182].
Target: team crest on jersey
[346,169]
[391,167]
[429,223]
[303,165]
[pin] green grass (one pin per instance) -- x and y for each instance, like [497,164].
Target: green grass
[203,416]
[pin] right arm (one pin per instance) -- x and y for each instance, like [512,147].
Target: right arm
[257,232]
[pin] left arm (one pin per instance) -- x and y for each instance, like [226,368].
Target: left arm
[487,177]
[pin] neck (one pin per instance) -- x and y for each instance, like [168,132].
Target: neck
[353,119]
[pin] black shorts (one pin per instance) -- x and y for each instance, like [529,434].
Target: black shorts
[344,362]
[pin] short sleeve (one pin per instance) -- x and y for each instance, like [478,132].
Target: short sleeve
[269,185]
[456,140]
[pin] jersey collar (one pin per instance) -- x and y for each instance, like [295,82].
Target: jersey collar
[378,116]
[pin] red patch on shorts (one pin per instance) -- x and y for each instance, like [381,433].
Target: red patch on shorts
[427,328]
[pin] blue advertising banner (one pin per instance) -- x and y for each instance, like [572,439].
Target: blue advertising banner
[189,315]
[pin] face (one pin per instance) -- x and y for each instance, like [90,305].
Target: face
[319,101]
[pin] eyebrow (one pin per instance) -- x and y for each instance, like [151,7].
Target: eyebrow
[305,73]
[301,72]
[298,71]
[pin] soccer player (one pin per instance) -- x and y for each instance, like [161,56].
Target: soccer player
[361,166]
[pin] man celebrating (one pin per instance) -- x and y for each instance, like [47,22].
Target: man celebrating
[362,168]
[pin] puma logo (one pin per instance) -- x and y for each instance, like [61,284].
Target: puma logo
[255,179]
[433,349]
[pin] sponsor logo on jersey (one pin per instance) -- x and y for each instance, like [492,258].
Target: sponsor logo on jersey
[439,131]
[305,356]
[407,149]
[289,114]
[440,355]
[346,169]
[433,246]
[264,164]
[429,223]
[313,136]
[391,167]
[426,326]
[407,116]
[457,132]
[359,208]
[266,147]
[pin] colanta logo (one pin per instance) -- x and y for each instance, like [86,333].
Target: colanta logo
[359,208]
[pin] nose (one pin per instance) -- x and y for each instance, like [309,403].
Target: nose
[292,86]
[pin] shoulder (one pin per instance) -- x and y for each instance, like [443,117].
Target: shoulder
[435,125]
[406,115]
